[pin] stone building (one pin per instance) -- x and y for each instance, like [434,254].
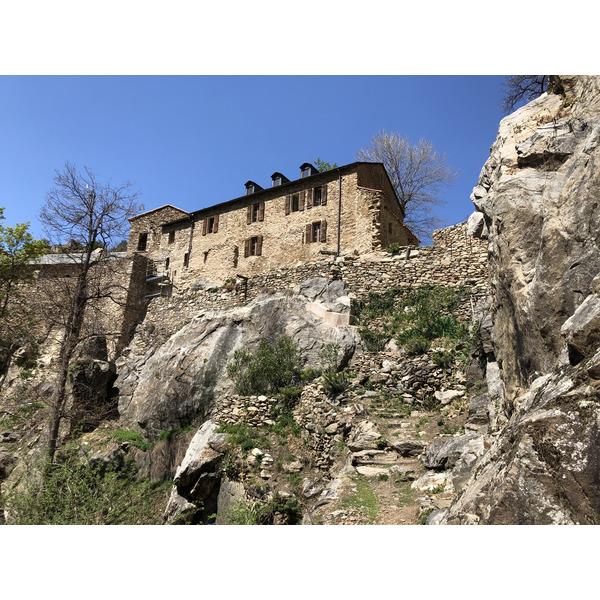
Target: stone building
[351,209]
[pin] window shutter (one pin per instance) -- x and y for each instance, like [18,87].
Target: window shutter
[324,195]
[216,225]
[323,231]
[246,247]
[259,245]
[249,214]
[308,236]
[288,203]
[261,211]
[309,199]
[301,200]
[204,226]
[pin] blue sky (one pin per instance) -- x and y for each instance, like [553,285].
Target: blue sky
[193,141]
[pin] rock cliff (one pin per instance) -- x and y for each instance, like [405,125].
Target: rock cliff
[538,205]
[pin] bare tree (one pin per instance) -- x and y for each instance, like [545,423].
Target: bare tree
[522,88]
[81,208]
[417,172]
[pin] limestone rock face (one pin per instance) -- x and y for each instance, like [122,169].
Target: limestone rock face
[539,195]
[171,386]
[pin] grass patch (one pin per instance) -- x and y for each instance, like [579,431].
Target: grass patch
[134,438]
[363,499]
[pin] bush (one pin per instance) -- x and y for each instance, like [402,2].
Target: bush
[133,437]
[393,248]
[375,341]
[267,370]
[86,493]
[417,345]
[335,383]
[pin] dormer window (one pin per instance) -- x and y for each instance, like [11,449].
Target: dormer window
[278,178]
[252,187]
[306,170]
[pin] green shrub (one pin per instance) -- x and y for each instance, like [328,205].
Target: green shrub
[133,437]
[244,436]
[309,374]
[263,513]
[443,358]
[335,383]
[393,248]
[417,345]
[375,341]
[85,493]
[267,370]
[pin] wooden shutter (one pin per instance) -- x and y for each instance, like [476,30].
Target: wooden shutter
[309,199]
[323,231]
[204,226]
[301,200]
[216,224]
[324,195]
[308,234]
[288,203]
[259,245]
[261,211]
[246,247]
[249,214]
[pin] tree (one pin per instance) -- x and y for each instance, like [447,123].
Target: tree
[95,215]
[522,88]
[417,172]
[323,166]
[18,249]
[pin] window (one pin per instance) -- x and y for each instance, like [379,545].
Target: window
[276,181]
[250,189]
[389,228]
[210,225]
[142,242]
[167,263]
[186,260]
[256,212]
[253,246]
[317,197]
[316,232]
[295,202]
[171,237]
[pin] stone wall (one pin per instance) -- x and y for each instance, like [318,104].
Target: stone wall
[456,260]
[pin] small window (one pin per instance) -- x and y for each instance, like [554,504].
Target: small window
[249,189]
[316,232]
[389,228]
[186,260]
[167,263]
[171,237]
[317,197]
[255,211]
[253,246]
[142,242]
[276,181]
[295,203]
[211,224]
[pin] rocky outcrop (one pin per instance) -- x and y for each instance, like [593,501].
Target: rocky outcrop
[538,202]
[173,385]
[539,198]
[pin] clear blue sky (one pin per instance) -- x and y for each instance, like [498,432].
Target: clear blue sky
[193,141]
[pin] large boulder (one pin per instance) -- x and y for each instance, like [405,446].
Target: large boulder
[174,385]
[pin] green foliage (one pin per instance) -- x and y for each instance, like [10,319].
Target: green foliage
[267,370]
[424,516]
[133,437]
[417,345]
[323,166]
[263,513]
[169,434]
[334,383]
[86,493]
[244,436]
[383,477]
[285,424]
[382,443]
[428,313]
[309,374]
[374,340]
[393,248]
[443,358]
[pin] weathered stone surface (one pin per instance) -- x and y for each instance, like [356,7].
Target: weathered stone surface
[409,448]
[432,480]
[542,181]
[363,437]
[447,396]
[444,454]
[231,495]
[582,329]
[173,385]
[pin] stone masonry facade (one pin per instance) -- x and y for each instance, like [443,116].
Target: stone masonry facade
[291,223]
